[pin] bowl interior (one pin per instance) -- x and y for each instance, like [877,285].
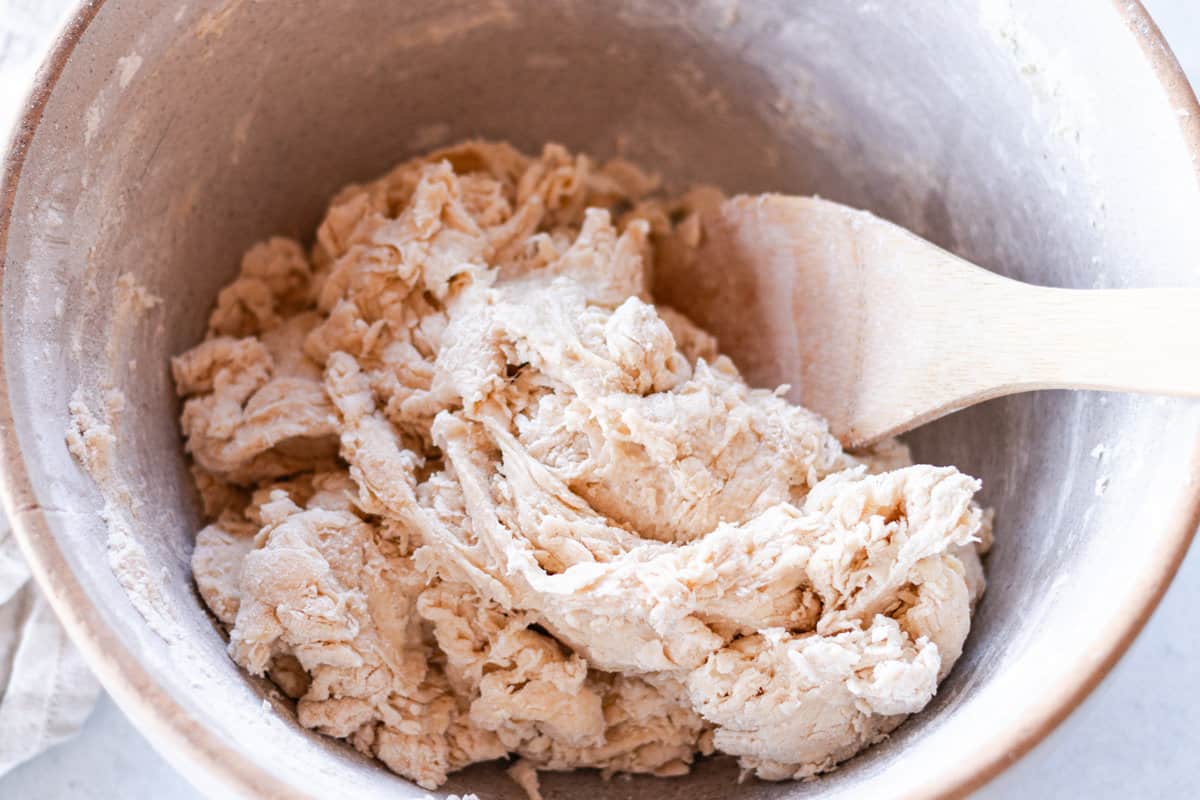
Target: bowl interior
[1032,138]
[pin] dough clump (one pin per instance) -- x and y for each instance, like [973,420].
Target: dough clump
[472,495]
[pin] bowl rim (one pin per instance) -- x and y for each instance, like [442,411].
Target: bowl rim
[208,761]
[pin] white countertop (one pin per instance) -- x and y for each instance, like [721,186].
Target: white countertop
[1137,735]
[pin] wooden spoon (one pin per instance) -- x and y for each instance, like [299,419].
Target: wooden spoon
[880,331]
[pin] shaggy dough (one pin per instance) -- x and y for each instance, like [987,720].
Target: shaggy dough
[473,495]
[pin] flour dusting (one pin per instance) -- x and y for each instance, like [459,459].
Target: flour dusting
[93,431]
[127,67]
[132,298]
[132,568]
[89,438]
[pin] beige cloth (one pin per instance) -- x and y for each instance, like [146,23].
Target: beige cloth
[46,690]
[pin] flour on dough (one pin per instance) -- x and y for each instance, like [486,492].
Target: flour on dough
[472,495]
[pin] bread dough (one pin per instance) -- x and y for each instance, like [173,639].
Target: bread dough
[473,495]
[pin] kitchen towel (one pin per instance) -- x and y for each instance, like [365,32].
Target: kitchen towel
[46,690]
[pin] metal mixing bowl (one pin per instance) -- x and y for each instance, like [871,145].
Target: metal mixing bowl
[1052,142]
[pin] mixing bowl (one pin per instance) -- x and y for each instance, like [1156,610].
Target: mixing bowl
[1052,142]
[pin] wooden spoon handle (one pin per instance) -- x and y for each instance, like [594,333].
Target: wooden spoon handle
[991,336]
[1124,340]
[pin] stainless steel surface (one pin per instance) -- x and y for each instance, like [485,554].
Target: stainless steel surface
[1035,139]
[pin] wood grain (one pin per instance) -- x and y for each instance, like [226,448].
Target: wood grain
[881,331]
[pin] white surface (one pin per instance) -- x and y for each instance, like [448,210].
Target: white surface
[1136,736]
